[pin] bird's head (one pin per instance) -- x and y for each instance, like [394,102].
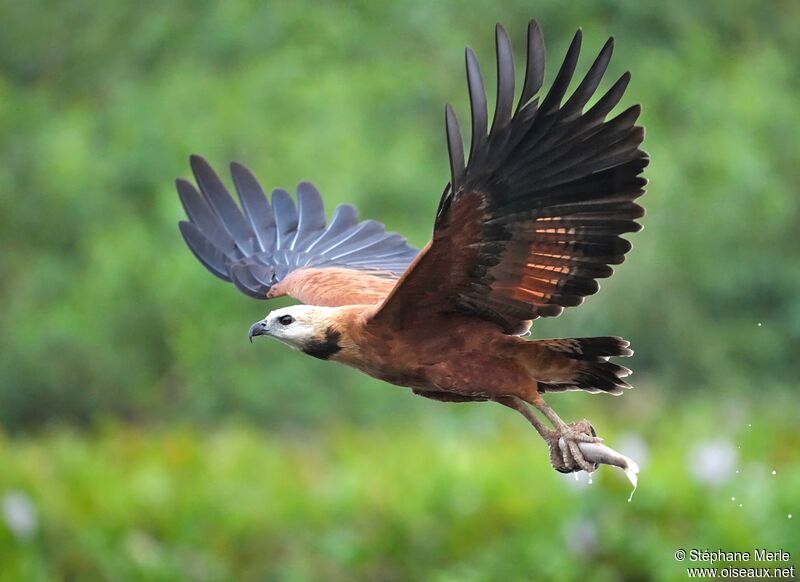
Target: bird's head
[308,328]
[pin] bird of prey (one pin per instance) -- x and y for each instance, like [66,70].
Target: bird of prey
[524,229]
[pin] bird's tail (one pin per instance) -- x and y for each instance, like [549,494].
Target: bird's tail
[581,364]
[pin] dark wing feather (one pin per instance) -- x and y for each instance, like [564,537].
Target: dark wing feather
[286,219]
[536,216]
[205,251]
[534,69]
[223,205]
[256,206]
[505,80]
[477,99]
[311,213]
[263,245]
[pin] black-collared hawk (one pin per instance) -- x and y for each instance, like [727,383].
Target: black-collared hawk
[524,229]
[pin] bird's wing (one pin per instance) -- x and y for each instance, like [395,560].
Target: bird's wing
[271,249]
[532,221]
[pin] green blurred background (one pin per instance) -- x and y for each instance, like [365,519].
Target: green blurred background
[141,436]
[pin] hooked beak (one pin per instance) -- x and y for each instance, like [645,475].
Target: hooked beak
[258,328]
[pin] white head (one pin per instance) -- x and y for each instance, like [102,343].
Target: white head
[303,327]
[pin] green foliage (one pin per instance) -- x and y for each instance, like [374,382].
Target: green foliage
[468,501]
[109,323]
[106,312]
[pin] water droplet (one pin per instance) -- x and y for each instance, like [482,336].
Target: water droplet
[737,471]
[740,505]
[790,516]
[749,425]
[590,479]
[576,476]
[774,472]
[733,499]
[759,324]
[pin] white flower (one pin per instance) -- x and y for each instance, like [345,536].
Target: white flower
[713,461]
[20,515]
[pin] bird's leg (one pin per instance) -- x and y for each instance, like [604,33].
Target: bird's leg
[565,460]
[520,406]
[577,432]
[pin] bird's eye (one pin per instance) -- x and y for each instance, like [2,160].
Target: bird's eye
[285,319]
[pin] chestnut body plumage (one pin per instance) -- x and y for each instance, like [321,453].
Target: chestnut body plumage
[522,231]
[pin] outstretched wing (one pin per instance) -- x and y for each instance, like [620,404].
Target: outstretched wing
[275,249]
[532,221]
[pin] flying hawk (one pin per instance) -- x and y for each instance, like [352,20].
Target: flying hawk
[523,230]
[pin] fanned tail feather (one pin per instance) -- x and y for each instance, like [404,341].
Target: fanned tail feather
[592,372]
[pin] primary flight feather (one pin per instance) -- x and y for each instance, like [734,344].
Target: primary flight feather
[524,229]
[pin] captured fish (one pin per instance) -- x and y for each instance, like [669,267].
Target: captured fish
[600,453]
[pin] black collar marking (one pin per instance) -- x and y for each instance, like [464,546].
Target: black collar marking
[324,349]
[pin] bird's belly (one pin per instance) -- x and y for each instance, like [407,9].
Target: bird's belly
[453,354]
[471,373]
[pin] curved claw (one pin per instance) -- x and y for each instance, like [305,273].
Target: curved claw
[566,455]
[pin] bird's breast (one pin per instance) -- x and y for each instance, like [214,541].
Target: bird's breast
[445,357]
